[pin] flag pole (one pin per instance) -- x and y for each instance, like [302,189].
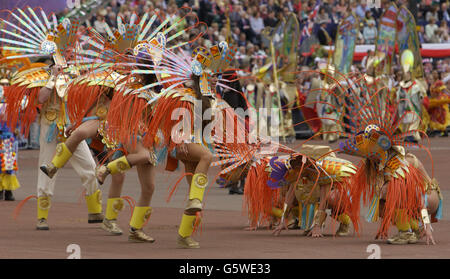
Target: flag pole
[275,78]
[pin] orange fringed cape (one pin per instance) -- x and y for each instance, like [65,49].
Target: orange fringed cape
[162,118]
[128,117]
[15,114]
[403,193]
[82,97]
[259,198]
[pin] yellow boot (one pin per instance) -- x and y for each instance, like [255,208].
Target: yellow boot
[197,190]
[185,231]
[63,155]
[344,226]
[404,236]
[94,204]
[119,165]
[43,205]
[113,206]
[140,216]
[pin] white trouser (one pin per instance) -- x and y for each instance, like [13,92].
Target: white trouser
[81,161]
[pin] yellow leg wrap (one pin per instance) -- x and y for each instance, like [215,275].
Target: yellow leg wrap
[43,205]
[119,165]
[9,182]
[186,225]
[401,222]
[414,225]
[94,202]
[198,186]
[140,215]
[344,219]
[277,212]
[63,155]
[113,206]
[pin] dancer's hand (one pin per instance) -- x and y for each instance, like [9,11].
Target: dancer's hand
[429,235]
[281,226]
[315,232]
[182,149]
[56,70]
[68,131]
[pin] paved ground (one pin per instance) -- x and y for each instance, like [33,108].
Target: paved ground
[222,235]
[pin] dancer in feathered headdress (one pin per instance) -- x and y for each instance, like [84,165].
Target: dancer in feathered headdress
[190,90]
[392,178]
[303,184]
[31,33]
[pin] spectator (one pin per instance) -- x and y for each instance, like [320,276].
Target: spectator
[256,23]
[370,32]
[111,20]
[430,30]
[421,35]
[235,34]
[341,7]
[322,17]
[322,34]
[99,23]
[234,14]
[271,20]
[444,13]
[361,10]
[444,29]
[242,40]
[244,25]
[420,19]
[432,13]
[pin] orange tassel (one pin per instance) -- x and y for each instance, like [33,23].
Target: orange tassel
[132,203]
[258,197]
[14,96]
[20,205]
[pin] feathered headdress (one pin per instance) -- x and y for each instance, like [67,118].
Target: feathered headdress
[179,67]
[32,33]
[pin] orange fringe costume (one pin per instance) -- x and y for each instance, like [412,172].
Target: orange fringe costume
[21,96]
[264,193]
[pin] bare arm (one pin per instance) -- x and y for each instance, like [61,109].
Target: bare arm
[317,225]
[44,94]
[47,90]
[289,200]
